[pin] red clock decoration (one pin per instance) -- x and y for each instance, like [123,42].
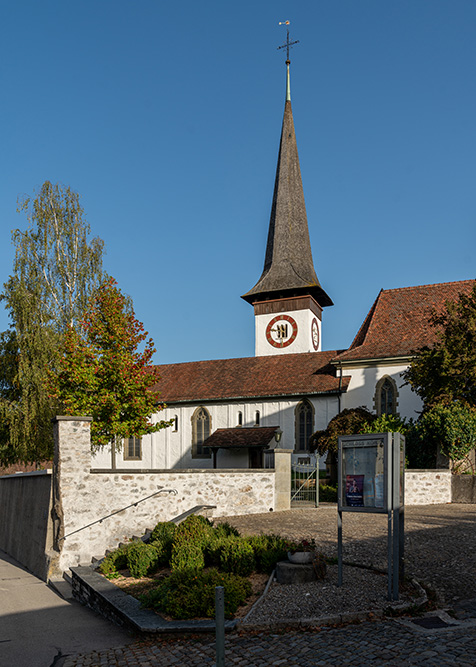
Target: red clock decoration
[281,331]
[315,334]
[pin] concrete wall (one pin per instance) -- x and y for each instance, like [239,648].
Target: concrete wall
[427,487]
[25,525]
[83,496]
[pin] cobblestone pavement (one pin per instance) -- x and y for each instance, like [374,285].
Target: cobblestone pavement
[440,550]
[368,644]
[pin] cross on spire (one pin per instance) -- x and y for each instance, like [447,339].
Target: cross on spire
[287,45]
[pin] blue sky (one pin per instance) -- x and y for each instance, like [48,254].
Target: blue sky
[166,116]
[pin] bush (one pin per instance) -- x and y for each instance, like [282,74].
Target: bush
[195,528]
[268,550]
[187,555]
[141,559]
[116,560]
[225,529]
[164,533]
[235,555]
[327,493]
[191,594]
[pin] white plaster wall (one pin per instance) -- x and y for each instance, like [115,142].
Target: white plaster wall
[169,449]
[303,341]
[361,391]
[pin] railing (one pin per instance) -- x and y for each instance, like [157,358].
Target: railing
[118,511]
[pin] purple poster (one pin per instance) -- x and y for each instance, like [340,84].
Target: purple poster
[354,490]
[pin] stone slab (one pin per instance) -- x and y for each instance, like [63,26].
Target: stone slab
[291,573]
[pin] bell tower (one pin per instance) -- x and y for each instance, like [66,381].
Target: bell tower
[288,298]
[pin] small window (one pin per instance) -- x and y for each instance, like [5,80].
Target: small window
[176,423]
[257,418]
[201,427]
[385,400]
[240,419]
[132,449]
[304,420]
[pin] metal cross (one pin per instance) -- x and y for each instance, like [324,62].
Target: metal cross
[288,44]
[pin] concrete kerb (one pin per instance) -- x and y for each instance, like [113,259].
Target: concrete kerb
[95,591]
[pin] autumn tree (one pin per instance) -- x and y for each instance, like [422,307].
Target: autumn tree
[55,270]
[103,373]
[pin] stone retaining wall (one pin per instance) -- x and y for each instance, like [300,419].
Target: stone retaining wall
[427,487]
[82,496]
[463,489]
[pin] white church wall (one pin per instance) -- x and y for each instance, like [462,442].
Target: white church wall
[362,387]
[303,341]
[172,449]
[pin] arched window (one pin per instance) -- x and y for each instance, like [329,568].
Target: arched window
[201,427]
[240,419]
[385,401]
[304,420]
[257,418]
[176,423]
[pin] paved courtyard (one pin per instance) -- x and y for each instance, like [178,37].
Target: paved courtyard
[440,551]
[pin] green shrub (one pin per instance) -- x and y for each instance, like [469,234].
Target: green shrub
[115,561]
[196,528]
[327,493]
[187,555]
[141,559]
[164,533]
[236,555]
[225,529]
[190,594]
[268,550]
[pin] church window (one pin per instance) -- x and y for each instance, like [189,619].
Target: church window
[304,422]
[385,400]
[257,418]
[132,449]
[176,423]
[201,427]
[240,419]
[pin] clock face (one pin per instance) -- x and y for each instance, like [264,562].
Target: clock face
[281,331]
[315,334]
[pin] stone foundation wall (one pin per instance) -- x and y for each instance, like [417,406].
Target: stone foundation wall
[82,496]
[427,487]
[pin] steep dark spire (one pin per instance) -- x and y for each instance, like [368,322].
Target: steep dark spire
[288,266]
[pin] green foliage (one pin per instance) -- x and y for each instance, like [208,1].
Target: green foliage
[347,422]
[56,268]
[327,493]
[387,424]
[450,429]
[115,561]
[236,555]
[142,558]
[225,529]
[186,555]
[268,550]
[195,528]
[163,534]
[101,372]
[447,371]
[188,594]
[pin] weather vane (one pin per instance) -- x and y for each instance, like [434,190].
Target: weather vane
[288,44]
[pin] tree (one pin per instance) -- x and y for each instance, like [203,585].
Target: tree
[55,270]
[347,422]
[102,373]
[447,371]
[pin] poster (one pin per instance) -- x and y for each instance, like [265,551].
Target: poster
[354,490]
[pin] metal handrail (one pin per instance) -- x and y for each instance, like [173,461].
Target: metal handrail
[118,511]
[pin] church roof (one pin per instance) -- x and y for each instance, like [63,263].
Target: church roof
[241,437]
[397,324]
[271,376]
[288,267]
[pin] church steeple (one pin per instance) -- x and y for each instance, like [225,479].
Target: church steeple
[288,266]
[288,273]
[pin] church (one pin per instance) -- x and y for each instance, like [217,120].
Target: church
[229,413]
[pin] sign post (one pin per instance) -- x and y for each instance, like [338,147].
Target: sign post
[371,479]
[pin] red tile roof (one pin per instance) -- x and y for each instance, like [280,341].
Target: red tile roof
[397,323]
[250,377]
[241,437]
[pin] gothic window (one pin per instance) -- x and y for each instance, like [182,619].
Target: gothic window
[132,449]
[304,420]
[257,418]
[240,419]
[201,427]
[175,423]
[385,401]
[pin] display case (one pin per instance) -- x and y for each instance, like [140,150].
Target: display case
[371,469]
